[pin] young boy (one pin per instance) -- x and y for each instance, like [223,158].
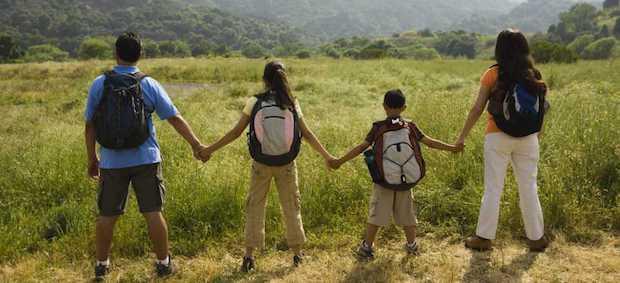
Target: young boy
[386,202]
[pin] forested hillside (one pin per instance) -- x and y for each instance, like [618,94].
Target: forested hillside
[340,18]
[530,16]
[65,23]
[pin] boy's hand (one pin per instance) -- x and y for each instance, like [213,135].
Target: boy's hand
[335,164]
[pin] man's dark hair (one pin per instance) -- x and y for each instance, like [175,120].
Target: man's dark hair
[394,99]
[129,47]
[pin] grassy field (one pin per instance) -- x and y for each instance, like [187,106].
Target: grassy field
[47,205]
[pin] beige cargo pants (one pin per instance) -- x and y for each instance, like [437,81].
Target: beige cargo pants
[288,192]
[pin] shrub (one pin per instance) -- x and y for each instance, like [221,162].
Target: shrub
[416,52]
[426,54]
[616,31]
[372,53]
[8,48]
[253,50]
[175,48]
[45,52]
[332,52]
[545,51]
[600,49]
[304,54]
[580,43]
[95,48]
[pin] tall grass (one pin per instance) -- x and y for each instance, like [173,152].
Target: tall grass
[47,203]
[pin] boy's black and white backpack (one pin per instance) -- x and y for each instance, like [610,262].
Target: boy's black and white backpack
[121,116]
[275,137]
[395,161]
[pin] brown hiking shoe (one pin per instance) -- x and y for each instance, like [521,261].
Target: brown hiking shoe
[538,245]
[478,243]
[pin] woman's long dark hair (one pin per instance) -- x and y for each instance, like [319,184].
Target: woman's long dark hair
[512,53]
[276,82]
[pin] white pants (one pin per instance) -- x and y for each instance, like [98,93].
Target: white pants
[523,154]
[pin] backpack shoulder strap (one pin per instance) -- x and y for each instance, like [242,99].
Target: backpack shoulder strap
[140,76]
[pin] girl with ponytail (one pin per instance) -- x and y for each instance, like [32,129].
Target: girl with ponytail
[276,102]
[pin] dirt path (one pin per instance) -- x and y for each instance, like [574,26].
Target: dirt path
[438,262]
[186,89]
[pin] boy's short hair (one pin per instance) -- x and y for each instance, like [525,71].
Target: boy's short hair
[129,47]
[394,99]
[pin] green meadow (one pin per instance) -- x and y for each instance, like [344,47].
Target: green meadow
[48,205]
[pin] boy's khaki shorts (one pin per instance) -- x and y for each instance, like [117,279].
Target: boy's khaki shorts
[385,203]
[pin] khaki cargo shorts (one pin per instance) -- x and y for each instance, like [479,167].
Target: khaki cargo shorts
[385,203]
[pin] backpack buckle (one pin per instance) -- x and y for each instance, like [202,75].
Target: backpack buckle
[403,179]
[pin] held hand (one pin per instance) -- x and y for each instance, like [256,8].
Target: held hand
[334,163]
[458,148]
[201,153]
[93,169]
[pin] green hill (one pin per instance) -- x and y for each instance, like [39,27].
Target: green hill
[67,22]
[529,16]
[343,18]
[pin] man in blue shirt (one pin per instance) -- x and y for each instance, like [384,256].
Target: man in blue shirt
[139,166]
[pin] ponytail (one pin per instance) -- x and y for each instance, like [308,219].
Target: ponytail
[276,82]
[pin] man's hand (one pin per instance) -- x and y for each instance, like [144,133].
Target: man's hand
[93,169]
[201,153]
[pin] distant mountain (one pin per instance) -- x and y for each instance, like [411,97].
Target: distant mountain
[67,22]
[529,16]
[343,18]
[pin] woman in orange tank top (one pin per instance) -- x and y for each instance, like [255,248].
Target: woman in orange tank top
[514,65]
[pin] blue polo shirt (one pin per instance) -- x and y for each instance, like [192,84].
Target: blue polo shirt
[155,99]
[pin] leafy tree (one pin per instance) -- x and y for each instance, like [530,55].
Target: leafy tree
[201,47]
[253,50]
[95,48]
[45,52]
[425,33]
[8,48]
[580,43]
[175,48]
[600,49]
[617,28]
[603,33]
[457,44]
[150,49]
[608,4]
[580,18]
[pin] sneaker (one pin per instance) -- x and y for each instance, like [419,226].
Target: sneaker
[298,260]
[365,252]
[248,264]
[539,245]
[478,243]
[412,249]
[101,271]
[164,270]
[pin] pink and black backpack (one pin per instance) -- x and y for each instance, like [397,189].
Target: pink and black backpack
[274,138]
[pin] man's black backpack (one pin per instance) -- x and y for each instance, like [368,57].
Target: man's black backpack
[121,117]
